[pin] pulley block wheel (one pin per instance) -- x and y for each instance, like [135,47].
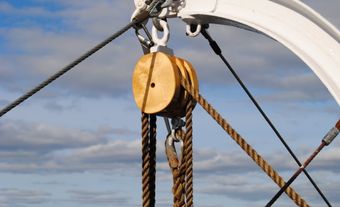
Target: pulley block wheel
[156,84]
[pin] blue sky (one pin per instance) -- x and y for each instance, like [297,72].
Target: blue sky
[77,142]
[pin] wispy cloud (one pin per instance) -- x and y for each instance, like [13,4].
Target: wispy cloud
[44,148]
[12,197]
[261,62]
[88,197]
[44,39]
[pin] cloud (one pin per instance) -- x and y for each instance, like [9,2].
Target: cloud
[251,188]
[9,9]
[13,197]
[88,197]
[16,136]
[329,160]
[108,73]
[228,173]
[28,147]
[45,39]
[261,62]
[240,187]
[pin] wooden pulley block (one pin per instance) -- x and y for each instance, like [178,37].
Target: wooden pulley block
[188,73]
[156,84]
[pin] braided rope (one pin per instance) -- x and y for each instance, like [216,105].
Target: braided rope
[264,165]
[145,161]
[148,184]
[183,171]
[177,167]
[178,188]
[153,143]
[188,155]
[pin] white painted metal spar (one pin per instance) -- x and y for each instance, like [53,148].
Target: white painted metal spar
[298,27]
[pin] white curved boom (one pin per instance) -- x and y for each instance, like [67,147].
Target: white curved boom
[290,22]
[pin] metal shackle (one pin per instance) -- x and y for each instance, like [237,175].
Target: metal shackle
[166,33]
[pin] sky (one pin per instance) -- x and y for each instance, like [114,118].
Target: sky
[78,142]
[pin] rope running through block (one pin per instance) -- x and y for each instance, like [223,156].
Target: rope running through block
[188,155]
[263,164]
[148,159]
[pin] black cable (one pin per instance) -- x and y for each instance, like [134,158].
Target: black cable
[67,68]
[295,175]
[213,44]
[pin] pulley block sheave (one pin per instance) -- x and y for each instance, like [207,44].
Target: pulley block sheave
[156,84]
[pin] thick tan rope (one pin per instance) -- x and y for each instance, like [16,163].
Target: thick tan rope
[182,171]
[153,143]
[264,165]
[178,188]
[178,173]
[148,162]
[145,161]
[188,155]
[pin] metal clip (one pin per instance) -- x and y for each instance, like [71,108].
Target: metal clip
[170,149]
[144,41]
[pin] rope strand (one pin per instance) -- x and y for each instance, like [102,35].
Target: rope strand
[153,143]
[218,52]
[148,159]
[264,165]
[145,162]
[188,155]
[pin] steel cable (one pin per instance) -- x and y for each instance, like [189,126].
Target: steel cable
[68,67]
[327,140]
[263,164]
[153,7]
[218,52]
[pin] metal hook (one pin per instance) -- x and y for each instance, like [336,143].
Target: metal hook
[170,149]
